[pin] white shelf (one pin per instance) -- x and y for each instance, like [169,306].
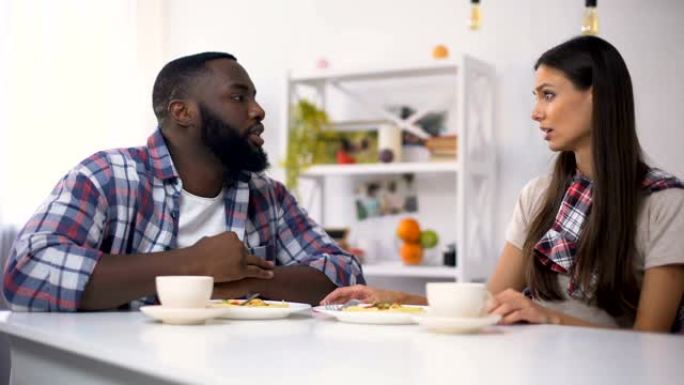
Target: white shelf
[398,269]
[427,69]
[465,86]
[381,168]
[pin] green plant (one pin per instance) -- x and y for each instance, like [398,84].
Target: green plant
[305,126]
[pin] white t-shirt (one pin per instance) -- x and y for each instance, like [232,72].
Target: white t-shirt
[659,241]
[199,217]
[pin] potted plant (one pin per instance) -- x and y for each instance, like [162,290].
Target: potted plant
[307,122]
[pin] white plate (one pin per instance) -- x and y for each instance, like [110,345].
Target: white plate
[456,325]
[255,313]
[371,317]
[181,316]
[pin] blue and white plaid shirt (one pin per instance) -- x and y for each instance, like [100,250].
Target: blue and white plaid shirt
[126,201]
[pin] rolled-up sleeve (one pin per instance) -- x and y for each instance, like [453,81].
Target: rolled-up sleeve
[303,241]
[55,253]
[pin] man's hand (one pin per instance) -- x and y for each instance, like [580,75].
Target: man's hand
[226,259]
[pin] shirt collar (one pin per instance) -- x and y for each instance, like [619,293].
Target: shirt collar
[160,161]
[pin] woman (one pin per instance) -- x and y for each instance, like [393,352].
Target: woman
[599,242]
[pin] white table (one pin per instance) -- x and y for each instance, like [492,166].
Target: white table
[126,347]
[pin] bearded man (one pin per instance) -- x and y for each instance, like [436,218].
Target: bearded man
[194,201]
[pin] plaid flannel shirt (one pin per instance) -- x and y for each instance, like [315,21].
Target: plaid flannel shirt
[126,201]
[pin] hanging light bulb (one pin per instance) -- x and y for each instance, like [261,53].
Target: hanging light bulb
[590,22]
[475,17]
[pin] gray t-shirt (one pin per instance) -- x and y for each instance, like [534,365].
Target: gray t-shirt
[659,241]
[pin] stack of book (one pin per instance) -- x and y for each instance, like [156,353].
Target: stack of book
[442,147]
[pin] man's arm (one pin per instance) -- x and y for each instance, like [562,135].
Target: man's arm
[119,279]
[301,241]
[290,283]
[57,265]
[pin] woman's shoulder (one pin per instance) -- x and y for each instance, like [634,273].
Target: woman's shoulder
[664,203]
[660,227]
[535,187]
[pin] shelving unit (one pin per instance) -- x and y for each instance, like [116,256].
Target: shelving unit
[472,83]
[398,269]
[381,169]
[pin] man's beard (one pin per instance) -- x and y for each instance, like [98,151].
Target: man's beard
[234,151]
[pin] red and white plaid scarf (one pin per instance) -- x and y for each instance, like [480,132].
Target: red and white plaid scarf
[557,247]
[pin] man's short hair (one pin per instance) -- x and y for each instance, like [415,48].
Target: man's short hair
[174,79]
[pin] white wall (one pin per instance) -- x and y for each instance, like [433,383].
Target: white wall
[269,37]
[75,79]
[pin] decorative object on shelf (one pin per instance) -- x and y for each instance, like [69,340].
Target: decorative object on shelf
[342,155]
[430,123]
[389,143]
[449,255]
[408,230]
[307,122]
[386,155]
[339,235]
[346,147]
[390,195]
[370,249]
[440,52]
[322,63]
[429,238]
[590,22]
[410,251]
[443,147]
[475,19]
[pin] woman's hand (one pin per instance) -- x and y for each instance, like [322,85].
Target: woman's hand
[364,294]
[514,307]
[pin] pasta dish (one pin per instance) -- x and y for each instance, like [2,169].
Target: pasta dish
[256,302]
[385,307]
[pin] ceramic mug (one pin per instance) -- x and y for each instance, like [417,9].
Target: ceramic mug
[184,291]
[455,299]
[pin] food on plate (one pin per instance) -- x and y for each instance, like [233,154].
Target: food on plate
[256,302]
[385,307]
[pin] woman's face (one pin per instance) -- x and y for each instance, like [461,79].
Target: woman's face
[563,111]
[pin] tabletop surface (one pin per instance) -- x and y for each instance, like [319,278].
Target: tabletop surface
[314,349]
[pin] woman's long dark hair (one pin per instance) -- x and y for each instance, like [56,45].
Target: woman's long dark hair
[607,241]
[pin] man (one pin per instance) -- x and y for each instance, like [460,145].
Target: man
[192,202]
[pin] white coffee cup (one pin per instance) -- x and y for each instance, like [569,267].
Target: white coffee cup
[456,299]
[184,291]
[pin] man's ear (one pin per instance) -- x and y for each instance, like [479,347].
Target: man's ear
[182,112]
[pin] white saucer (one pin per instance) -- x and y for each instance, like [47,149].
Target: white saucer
[181,316]
[456,324]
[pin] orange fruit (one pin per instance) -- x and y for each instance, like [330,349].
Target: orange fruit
[409,230]
[440,52]
[411,253]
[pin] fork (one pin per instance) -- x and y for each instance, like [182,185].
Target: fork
[341,306]
[249,298]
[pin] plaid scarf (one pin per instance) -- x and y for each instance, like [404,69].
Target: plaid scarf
[557,247]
